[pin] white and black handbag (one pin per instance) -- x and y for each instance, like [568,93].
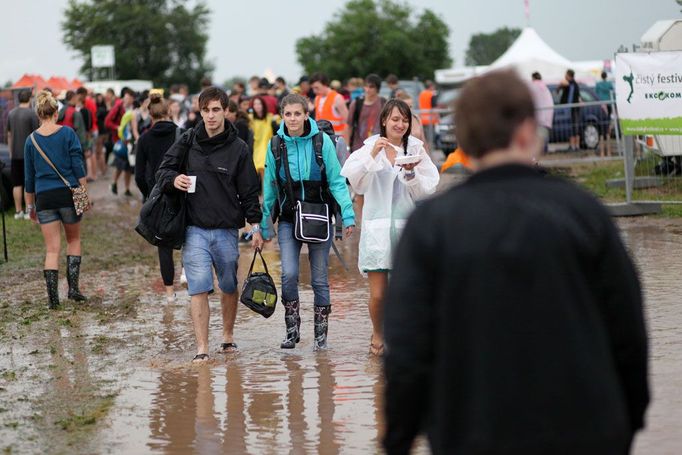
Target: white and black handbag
[312,220]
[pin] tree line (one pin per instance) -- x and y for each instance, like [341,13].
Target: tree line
[165,41]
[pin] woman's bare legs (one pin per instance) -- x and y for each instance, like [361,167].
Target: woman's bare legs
[378,281]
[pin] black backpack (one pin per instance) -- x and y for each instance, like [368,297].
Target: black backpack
[276,145]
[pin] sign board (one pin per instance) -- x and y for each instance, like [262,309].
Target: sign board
[102,56]
[649,92]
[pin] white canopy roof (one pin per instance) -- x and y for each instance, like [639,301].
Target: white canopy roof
[529,53]
[529,47]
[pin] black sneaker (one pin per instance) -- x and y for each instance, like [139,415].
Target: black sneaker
[114,189]
[128,193]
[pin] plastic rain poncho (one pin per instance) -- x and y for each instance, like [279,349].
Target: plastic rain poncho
[389,198]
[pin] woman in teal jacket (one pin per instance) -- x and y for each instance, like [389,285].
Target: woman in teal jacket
[297,132]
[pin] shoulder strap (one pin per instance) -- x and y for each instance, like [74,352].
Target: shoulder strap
[188,136]
[356,116]
[318,143]
[35,144]
[282,151]
[276,152]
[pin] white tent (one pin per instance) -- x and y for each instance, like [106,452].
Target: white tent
[528,53]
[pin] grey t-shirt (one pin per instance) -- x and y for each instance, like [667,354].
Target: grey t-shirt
[22,121]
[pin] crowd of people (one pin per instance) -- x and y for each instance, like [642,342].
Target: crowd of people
[511,311]
[138,134]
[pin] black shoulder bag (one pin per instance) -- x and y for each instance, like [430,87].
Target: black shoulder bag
[163,219]
[311,219]
[258,291]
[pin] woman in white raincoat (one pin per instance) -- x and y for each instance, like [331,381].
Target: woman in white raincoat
[390,191]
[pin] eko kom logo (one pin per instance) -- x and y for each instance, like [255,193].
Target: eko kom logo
[662,96]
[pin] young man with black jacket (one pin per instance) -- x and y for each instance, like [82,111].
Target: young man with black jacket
[513,318]
[222,187]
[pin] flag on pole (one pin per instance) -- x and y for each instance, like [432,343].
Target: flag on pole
[527,10]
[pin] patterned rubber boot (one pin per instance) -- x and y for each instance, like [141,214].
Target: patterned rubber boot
[321,326]
[73,271]
[292,319]
[51,282]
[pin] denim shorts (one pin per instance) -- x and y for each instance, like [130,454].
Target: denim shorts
[66,215]
[204,248]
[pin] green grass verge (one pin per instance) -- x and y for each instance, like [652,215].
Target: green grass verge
[108,242]
[593,177]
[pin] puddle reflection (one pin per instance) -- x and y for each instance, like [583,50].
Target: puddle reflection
[268,401]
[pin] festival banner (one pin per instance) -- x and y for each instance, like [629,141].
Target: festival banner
[649,92]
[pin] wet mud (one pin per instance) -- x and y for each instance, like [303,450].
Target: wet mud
[114,375]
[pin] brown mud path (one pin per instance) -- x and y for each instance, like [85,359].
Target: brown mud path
[113,375]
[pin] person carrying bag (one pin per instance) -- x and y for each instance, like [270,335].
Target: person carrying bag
[302,179]
[81,200]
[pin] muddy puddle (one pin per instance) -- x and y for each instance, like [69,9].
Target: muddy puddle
[114,375]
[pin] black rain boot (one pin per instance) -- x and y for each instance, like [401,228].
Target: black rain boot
[52,283]
[292,319]
[321,326]
[73,271]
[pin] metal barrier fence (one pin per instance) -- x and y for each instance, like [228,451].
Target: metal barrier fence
[593,125]
[653,169]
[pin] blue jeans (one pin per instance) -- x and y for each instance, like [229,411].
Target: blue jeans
[290,252]
[206,247]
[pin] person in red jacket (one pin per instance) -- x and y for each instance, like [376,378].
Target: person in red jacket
[88,109]
[112,122]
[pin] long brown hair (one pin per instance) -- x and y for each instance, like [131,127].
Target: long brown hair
[404,110]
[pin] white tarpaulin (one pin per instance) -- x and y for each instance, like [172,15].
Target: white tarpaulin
[649,92]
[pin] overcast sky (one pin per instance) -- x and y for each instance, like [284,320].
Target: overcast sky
[248,36]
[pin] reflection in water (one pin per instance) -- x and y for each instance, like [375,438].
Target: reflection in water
[174,407]
[295,403]
[235,429]
[265,400]
[325,406]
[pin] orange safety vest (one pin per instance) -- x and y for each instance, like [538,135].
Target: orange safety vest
[425,98]
[326,111]
[456,158]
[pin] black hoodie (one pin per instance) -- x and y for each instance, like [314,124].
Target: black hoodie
[151,147]
[227,184]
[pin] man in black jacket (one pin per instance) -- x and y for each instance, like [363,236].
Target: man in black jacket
[222,187]
[513,318]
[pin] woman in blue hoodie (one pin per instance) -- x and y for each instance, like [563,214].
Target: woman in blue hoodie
[297,132]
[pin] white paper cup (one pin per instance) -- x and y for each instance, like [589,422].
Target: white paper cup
[192,186]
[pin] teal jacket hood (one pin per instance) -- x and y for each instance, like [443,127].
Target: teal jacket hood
[301,159]
[310,129]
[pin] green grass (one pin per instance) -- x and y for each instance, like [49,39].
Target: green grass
[108,242]
[593,177]
[95,410]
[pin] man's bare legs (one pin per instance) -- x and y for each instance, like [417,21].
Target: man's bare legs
[200,316]
[228,303]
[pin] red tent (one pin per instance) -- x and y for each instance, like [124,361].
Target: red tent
[30,80]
